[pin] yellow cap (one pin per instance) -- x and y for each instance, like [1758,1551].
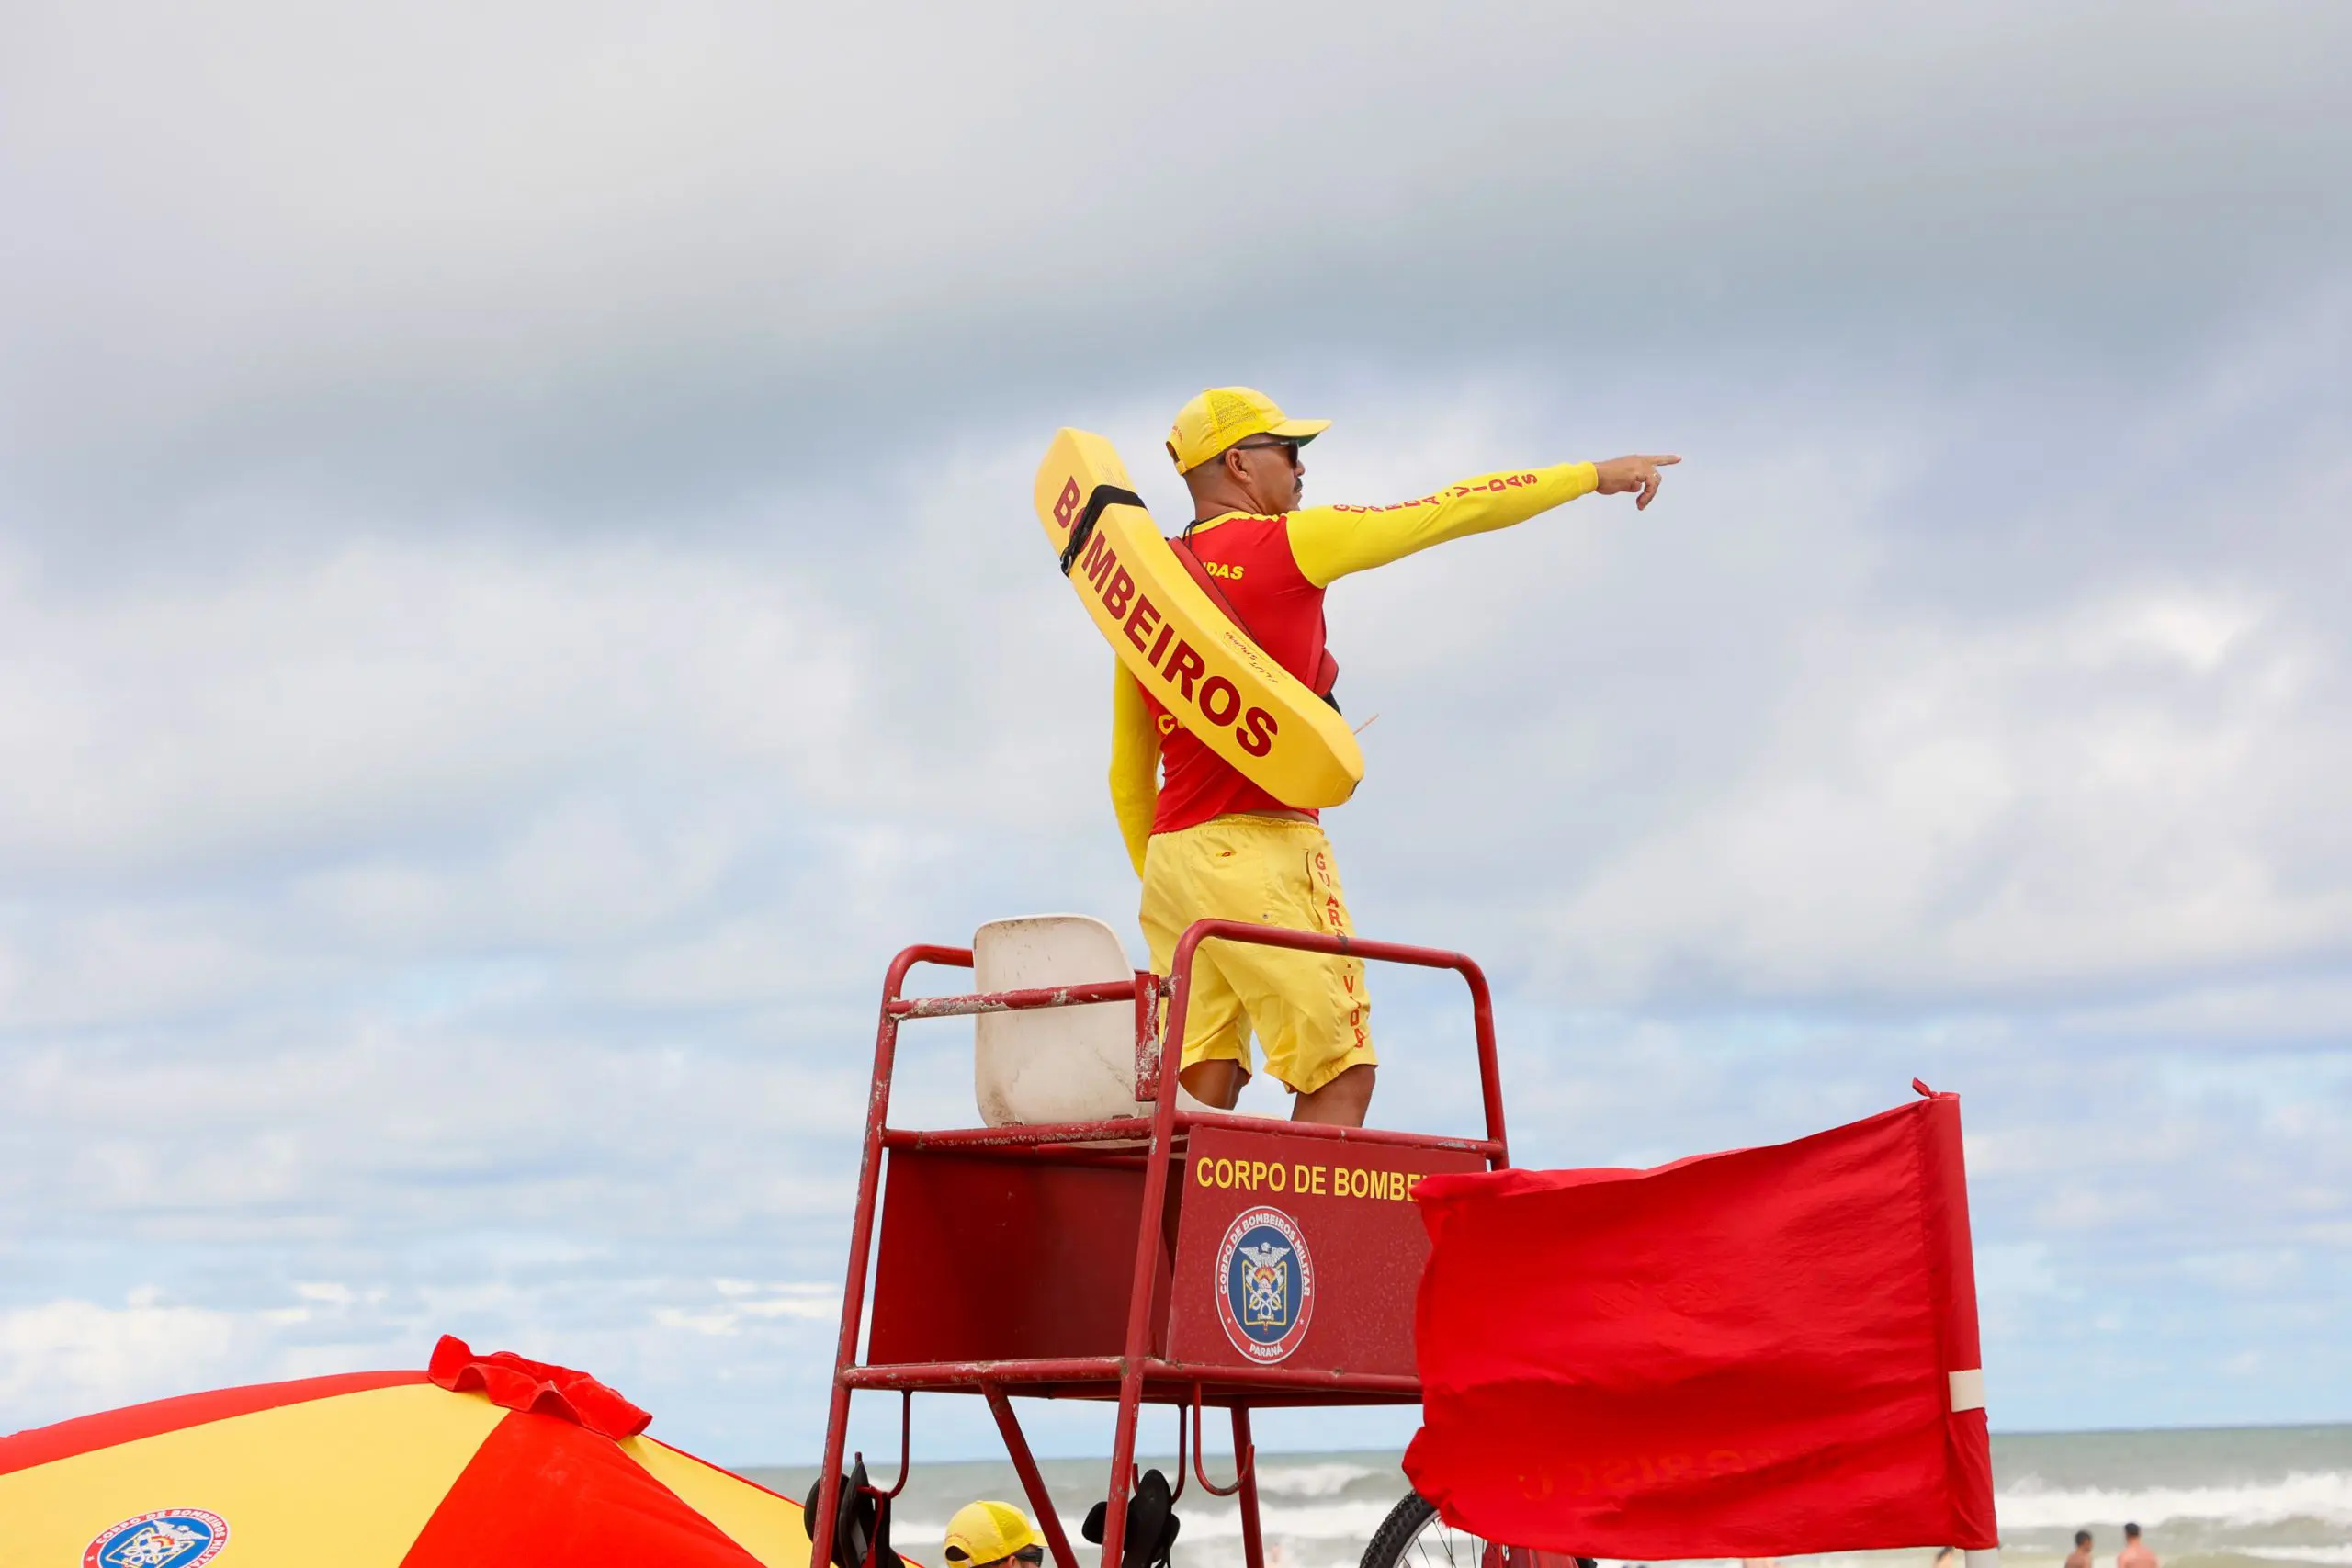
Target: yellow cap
[988,1532]
[1223,415]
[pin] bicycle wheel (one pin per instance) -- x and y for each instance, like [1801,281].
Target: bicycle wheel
[1412,1535]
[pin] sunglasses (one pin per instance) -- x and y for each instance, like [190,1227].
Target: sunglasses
[1288,447]
[1030,1555]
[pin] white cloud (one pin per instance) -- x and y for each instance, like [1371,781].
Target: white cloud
[1927,818]
[743,1301]
[380,691]
[71,1354]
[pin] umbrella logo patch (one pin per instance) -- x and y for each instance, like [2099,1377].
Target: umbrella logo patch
[168,1537]
[1265,1285]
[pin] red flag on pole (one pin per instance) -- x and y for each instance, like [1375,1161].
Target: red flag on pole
[1761,1353]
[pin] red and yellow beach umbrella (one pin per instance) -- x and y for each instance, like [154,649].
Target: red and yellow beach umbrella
[479,1459]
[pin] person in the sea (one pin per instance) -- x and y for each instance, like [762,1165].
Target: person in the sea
[984,1534]
[2081,1556]
[2135,1552]
[1206,841]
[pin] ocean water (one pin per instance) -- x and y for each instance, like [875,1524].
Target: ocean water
[2218,1498]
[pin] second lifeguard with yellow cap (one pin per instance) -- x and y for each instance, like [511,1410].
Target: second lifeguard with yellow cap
[1211,844]
[984,1534]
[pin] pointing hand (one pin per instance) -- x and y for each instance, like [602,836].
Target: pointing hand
[1622,474]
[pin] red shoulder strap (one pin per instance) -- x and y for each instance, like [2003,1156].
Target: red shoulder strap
[1327,668]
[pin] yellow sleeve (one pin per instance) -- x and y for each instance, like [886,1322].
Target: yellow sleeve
[1328,542]
[1135,763]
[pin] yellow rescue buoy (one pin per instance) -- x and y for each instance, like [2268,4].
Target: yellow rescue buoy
[1185,650]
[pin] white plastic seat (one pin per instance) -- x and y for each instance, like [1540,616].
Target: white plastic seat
[1072,1064]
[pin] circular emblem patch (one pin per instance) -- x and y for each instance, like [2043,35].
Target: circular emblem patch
[1265,1284]
[168,1537]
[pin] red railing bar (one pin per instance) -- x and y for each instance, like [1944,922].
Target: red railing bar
[1378,951]
[1253,1543]
[1024,1464]
[1051,1369]
[1127,1155]
[1146,1273]
[1482,1006]
[922,953]
[942,1376]
[1139,1128]
[906,1442]
[1494,1145]
[1148,997]
[1187,1120]
[1015,1135]
[869,1178]
[1201,1452]
[1087,995]
[1176,1495]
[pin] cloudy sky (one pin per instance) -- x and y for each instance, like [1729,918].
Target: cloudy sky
[517,595]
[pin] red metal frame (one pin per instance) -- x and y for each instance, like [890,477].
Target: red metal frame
[1136,1376]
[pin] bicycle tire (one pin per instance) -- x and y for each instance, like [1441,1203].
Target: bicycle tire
[1393,1545]
[1396,1532]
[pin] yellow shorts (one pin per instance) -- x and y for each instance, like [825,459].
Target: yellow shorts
[1309,1010]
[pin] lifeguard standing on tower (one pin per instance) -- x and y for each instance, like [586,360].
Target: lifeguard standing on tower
[1208,841]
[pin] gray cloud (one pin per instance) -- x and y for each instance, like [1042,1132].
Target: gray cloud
[629,267]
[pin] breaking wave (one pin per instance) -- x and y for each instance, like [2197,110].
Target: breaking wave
[2324,1495]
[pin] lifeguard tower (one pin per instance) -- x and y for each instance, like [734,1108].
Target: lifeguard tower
[1197,1259]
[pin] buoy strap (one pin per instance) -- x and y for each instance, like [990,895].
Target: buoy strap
[1104,495]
